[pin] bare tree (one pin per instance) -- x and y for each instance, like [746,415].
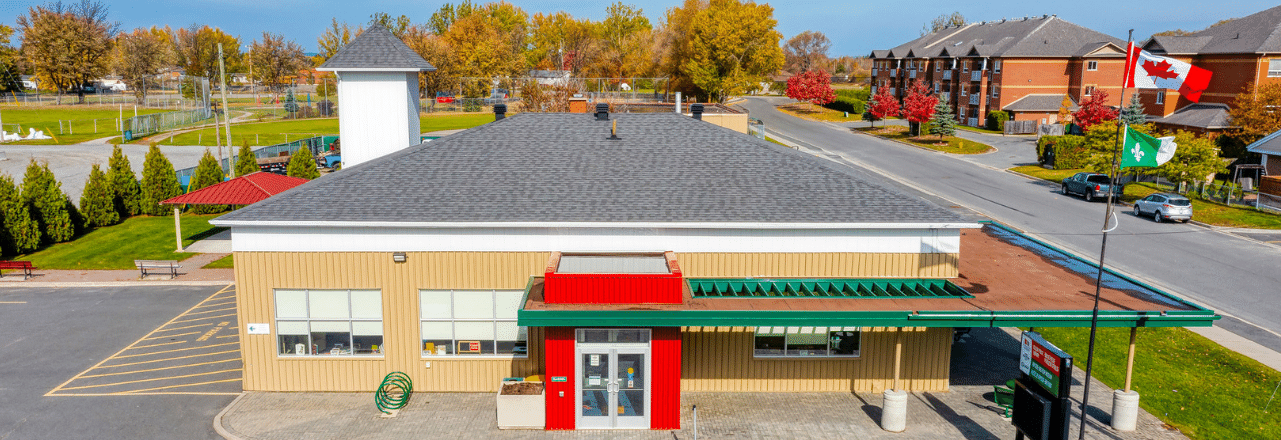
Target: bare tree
[140,55]
[806,51]
[942,21]
[67,45]
[275,59]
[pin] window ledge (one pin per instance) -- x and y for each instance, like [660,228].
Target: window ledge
[478,357]
[312,357]
[774,358]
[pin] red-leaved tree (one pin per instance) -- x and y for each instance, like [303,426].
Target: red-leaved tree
[919,104]
[1094,110]
[812,86]
[883,105]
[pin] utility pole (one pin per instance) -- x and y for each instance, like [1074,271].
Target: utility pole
[222,79]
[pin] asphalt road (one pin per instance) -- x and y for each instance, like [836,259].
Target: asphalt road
[58,348]
[1221,271]
[71,163]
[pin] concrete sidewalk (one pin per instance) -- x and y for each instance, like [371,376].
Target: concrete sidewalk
[191,274]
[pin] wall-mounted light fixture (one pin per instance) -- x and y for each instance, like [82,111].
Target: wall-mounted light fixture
[398,257]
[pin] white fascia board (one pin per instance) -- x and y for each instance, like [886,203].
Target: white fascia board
[618,225]
[373,69]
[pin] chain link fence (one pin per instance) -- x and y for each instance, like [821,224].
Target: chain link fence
[139,126]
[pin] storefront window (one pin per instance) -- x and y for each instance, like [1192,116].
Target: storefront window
[329,322]
[807,342]
[471,323]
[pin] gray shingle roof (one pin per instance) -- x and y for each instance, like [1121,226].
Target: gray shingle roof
[1255,33]
[376,48]
[1047,36]
[1201,115]
[559,167]
[1270,144]
[1039,103]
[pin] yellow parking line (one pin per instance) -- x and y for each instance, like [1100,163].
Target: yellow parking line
[151,380]
[13,302]
[125,393]
[157,345]
[171,351]
[158,369]
[228,336]
[219,304]
[181,386]
[167,359]
[170,336]
[211,311]
[207,317]
[182,328]
[135,342]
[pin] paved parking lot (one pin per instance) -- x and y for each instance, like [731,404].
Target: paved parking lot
[64,355]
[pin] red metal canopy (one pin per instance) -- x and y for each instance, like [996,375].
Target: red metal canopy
[244,190]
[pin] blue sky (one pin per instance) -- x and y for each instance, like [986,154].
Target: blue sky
[855,27]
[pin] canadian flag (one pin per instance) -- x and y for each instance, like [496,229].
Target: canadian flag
[1147,71]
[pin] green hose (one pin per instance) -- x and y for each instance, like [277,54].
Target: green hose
[394,392]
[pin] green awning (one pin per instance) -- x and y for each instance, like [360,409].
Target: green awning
[824,288]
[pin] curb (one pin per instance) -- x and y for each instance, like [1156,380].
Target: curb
[217,421]
[115,283]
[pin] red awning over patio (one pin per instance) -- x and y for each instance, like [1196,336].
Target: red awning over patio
[244,190]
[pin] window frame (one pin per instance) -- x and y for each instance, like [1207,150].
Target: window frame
[452,320]
[351,334]
[996,66]
[1274,72]
[789,330]
[1091,65]
[1160,96]
[1088,90]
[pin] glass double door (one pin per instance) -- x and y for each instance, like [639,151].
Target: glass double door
[613,383]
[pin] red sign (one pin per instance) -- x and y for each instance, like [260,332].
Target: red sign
[1047,359]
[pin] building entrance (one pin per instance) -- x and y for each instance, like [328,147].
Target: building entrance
[613,378]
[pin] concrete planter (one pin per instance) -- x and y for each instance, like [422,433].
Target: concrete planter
[519,408]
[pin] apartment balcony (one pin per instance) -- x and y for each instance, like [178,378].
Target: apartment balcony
[911,74]
[976,75]
[945,97]
[947,74]
[874,72]
[974,99]
[873,93]
[973,122]
[893,73]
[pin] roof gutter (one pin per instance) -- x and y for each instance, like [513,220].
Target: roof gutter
[619,225]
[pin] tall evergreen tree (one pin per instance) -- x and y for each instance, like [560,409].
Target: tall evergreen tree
[43,195]
[1133,114]
[208,173]
[158,182]
[246,163]
[944,122]
[128,195]
[20,233]
[96,204]
[302,164]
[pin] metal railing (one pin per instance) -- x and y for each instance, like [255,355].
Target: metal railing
[911,74]
[973,122]
[947,74]
[893,73]
[317,145]
[974,99]
[946,97]
[976,75]
[874,72]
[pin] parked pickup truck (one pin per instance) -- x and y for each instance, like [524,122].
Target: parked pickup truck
[1091,185]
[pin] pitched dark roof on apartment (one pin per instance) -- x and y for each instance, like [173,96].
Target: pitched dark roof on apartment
[1201,115]
[1046,36]
[1039,103]
[1256,33]
[376,49]
[1270,144]
[560,167]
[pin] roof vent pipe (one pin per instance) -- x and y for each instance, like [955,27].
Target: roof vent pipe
[500,111]
[602,112]
[697,110]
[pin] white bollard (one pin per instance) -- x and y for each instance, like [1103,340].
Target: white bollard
[894,411]
[1125,410]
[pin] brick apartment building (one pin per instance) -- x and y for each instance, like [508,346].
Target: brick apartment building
[1024,66]
[1239,52]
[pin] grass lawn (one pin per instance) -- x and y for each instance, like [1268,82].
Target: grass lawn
[948,144]
[222,263]
[77,121]
[275,132]
[115,247]
[820,113]
[776,141]
[1205,390]
[1204,211]
[978,130]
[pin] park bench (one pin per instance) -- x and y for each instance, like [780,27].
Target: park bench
[24,266]
[170,266]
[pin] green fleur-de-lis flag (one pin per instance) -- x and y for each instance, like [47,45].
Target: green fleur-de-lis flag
[1141,150]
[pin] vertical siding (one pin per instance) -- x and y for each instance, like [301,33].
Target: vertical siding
[720,359]
[259,273]
[561,412]
[819,265]
[561,288]
[665,378]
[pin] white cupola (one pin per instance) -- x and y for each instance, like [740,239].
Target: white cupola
[377,95]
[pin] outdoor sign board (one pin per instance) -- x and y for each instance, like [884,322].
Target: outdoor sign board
[1048,366]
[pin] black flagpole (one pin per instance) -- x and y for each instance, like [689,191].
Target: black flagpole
[1107,217]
